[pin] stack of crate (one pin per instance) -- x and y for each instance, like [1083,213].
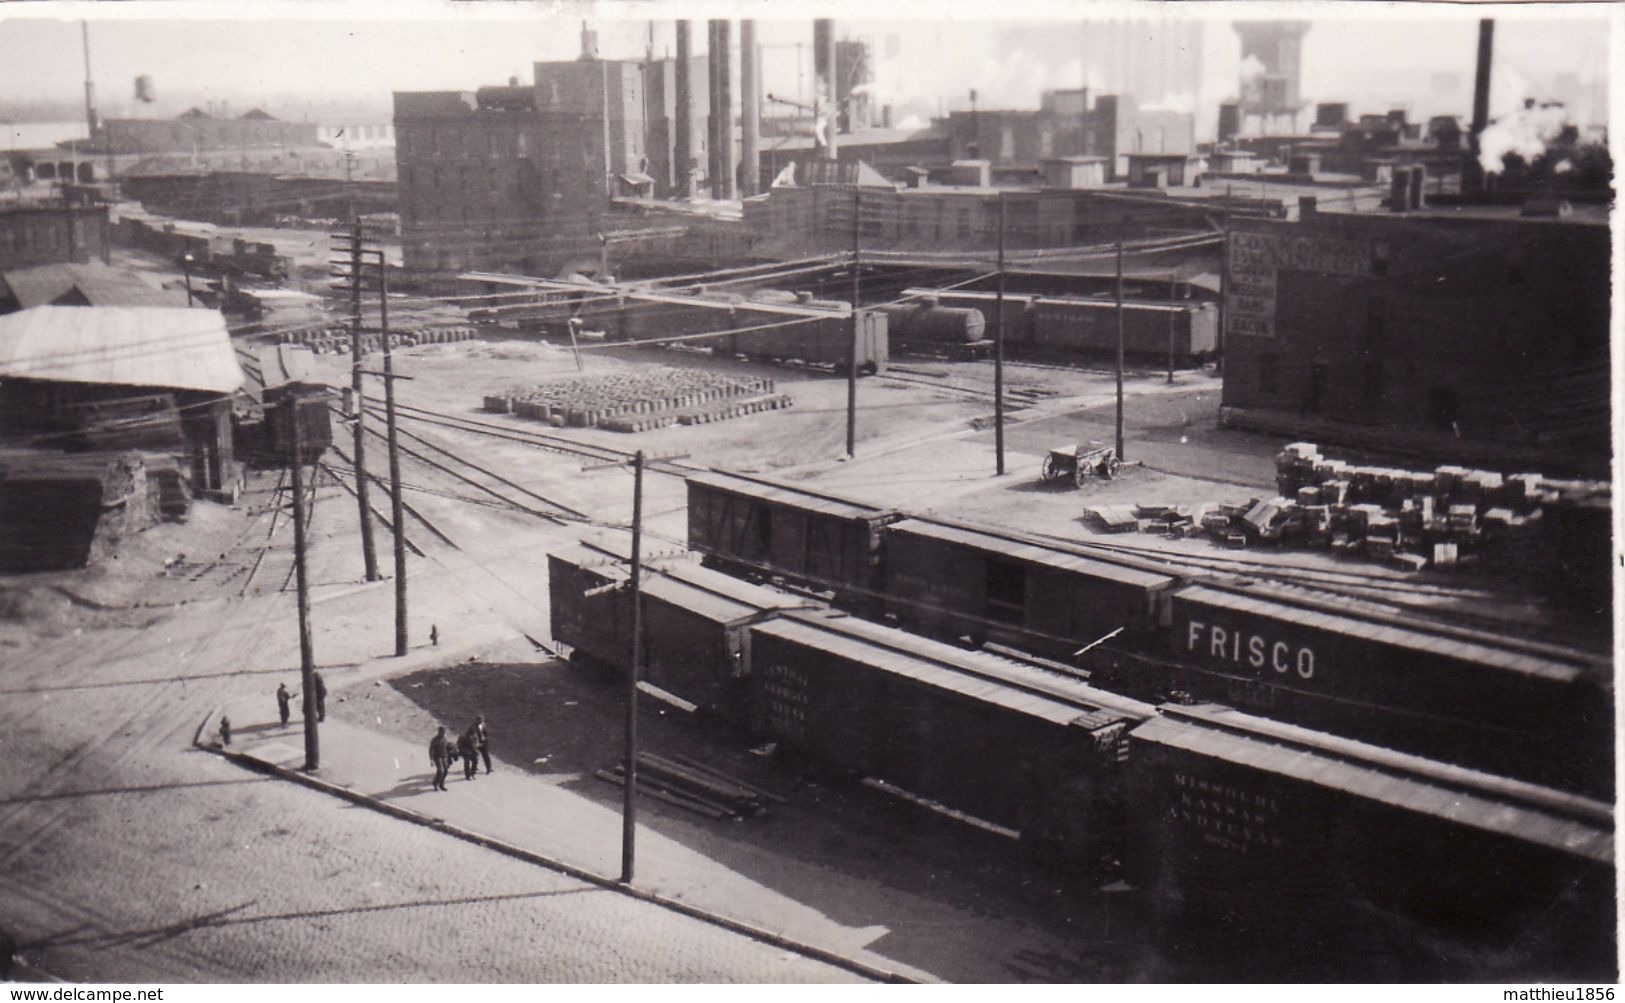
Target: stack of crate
[636,402]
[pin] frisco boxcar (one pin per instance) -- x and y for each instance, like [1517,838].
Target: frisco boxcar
[768,529]
[1080,326]
[1523,710]
[955,579]
[1242,818]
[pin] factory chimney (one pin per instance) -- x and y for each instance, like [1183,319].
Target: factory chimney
[589,43]
[824,86]
[724,183]
[750,111]
[1472,172]
[684,151]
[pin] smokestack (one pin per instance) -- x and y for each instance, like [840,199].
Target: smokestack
[750,111]
[684,152]
[90,88]
[1472,173]
[589,43]
[727,186]
[824,83]
[713,173]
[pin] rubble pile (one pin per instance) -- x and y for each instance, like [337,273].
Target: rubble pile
[68,510]
[636,402]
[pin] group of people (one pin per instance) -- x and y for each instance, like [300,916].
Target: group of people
[471,746]
[284,699]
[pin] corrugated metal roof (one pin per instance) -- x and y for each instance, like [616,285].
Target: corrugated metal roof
[126,346]
[1105,707]
[1019,550]
[1487,807]
[785,494]
[1365,632]
[900,664]
[100,285]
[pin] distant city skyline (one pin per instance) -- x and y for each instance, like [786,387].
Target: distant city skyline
[353,56]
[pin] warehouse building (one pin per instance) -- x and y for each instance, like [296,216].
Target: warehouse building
[1481,330]
[47,233]
[195,130]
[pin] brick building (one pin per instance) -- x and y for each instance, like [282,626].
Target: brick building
[196,130]
[520,177]
[1067,124]
[44,234]
[1480,329]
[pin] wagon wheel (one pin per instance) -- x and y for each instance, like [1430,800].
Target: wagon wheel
[1110,467]
[1080,474]
[1049,472]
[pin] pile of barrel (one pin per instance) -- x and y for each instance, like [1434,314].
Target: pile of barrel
[637,402]
[336,340]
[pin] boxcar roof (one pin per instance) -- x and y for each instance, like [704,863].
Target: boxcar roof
[1019,549]
[1366,632]
[685,567]
[996,670]
[784,494]
[717,608]
[902,664]
[1452,794]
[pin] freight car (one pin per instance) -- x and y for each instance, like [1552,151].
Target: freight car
[923,325]
[1018,310]
[1077,326]
[764,528]
[1538,711]
[1243,820]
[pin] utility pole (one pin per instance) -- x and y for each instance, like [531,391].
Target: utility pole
[397,506]
[369,555]
[629,810]
[307,658]
[1120,350]
[998,355]
[852,359]
[1173,290]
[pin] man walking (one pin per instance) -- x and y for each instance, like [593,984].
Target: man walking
[434,635]
[482,741]
[282,698]
[440,757]
[321,695]
[470,757]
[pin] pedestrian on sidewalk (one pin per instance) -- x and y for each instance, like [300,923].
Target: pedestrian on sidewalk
[320,684]
[225,730]
[282,698]
[482,741]
[434,634]
[440,758]
[469,754]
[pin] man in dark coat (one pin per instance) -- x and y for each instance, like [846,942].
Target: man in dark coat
[440,758]
[282,698]
[471,756]
[482,741]
[320,686]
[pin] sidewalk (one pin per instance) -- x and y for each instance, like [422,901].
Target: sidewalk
[887,929]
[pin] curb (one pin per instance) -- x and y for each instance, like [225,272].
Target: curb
[531,857]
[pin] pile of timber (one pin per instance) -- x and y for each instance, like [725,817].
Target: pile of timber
[688,783]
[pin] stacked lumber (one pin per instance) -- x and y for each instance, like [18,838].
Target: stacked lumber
[687,783]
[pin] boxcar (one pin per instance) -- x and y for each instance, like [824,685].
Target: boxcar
[767,528]
[821,340]
[1079,325]
[1466,700]
[956,579]
[695,622]
[920,715]
[1245,820]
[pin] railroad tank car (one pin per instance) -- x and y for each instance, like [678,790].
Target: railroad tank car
[1018,309]
[1241,821]
[923,324]
[956,579]
[1521,709]
[1064,326]
[770,529]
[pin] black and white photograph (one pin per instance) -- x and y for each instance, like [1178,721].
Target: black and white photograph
[829,491]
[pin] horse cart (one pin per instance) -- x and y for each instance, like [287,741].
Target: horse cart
[1078,463]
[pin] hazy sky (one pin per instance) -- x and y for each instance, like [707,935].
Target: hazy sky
[1367,53]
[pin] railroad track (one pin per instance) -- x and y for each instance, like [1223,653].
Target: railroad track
[422,519]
